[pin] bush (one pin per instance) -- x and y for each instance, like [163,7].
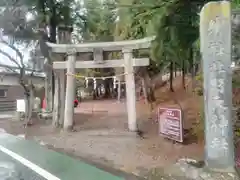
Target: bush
[199,91]
[198,128]
[199,77]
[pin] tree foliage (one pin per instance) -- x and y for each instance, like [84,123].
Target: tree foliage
[174,23]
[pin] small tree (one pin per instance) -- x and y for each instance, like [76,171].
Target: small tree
[22,70]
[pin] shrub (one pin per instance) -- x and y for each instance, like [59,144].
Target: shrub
[199,77]
[199,91]
[198,128]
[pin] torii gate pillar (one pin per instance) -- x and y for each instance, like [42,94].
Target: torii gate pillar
[130,89]
[128,63]
[70,91]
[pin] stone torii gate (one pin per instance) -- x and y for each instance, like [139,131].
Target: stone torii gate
[128,62]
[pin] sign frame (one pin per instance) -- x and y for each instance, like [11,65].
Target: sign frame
[181,136]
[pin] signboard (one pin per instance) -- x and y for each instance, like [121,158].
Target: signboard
[170,123]
[20,105]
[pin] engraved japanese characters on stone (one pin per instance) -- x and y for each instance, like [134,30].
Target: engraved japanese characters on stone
[217,72]
[213,123]
[219,143]
[214,27]
[217,48]
[215,33]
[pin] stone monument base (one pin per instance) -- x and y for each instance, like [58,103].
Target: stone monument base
[193,169]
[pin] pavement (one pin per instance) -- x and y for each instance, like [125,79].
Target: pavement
[26,160]
[11,169]
[22,159]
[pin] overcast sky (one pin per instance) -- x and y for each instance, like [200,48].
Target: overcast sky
[25,52]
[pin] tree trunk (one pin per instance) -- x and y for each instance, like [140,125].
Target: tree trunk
[28,95]
[53,38]
[149,87]
[29,103]
[94,94]
[152,97]
[53,23]
[48,91]
[175,69]
[191,60]
[196,69]
[56,107]
[183,74]
[144,89]
[107,86]
[171,76]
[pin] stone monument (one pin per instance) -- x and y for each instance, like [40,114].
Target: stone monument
[216,45]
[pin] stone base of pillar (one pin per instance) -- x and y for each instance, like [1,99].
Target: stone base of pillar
[214,167]
[18,116]
[192,169]
[69,128]
[46,115]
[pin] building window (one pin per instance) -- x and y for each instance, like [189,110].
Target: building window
[3,93]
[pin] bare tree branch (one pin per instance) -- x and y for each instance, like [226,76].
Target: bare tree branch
[9,57]
[16,50]
[17,68]
[8,69]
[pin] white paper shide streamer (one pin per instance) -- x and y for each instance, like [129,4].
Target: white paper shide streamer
[114,82]
[86,81]
[94,84]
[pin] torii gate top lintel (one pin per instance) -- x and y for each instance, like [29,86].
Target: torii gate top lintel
[105,46]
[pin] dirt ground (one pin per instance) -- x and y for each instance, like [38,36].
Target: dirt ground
[101,133]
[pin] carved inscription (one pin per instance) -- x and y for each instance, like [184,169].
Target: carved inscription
[217,111]
[216,47]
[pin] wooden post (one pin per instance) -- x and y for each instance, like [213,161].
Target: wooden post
[130,89]
[215,30]
[48,90]
[144,88]
[70,91]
